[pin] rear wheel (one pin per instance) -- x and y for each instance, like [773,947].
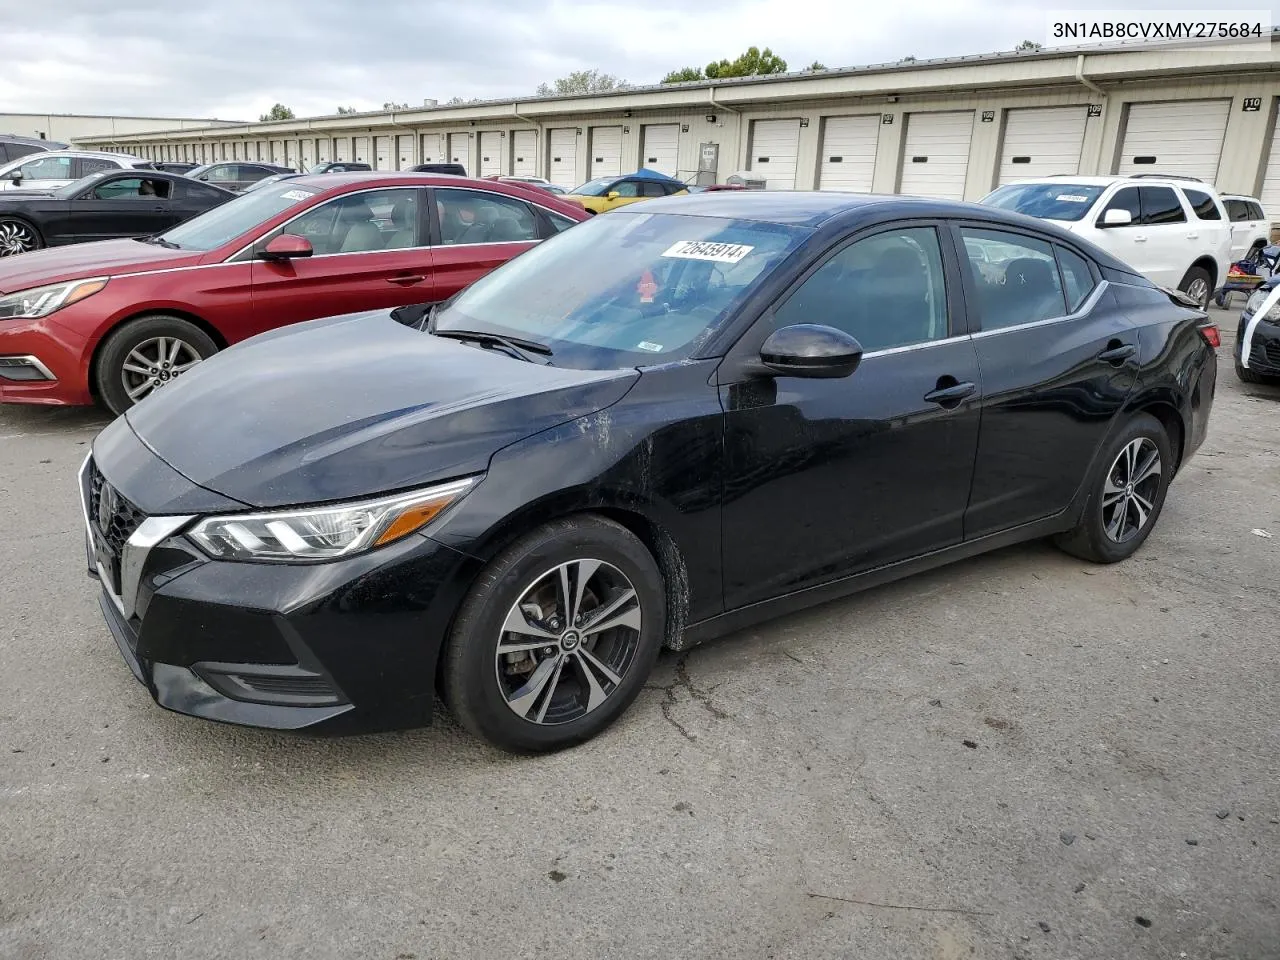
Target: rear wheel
[18,236]
[1198,285]
[1126,495]
[146,354]
[557,636]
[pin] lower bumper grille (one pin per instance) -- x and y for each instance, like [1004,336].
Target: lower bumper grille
[290,686]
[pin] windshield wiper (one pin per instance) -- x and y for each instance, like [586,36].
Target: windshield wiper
[522,349]
[160,242]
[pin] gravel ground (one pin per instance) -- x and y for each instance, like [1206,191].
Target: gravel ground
[1019,756]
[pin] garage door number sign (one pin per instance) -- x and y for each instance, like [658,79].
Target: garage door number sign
[1251,104]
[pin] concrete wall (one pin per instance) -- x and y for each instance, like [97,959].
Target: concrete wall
[69,128]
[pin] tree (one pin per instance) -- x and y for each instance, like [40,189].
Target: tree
[1028,46]
[754,63]
[582,81]
[345,110]
[392,105]
[908,59]
[816,66]
[278,112]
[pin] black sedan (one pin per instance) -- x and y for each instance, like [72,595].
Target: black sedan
[102,206]
[1258,336]
[660,426]
[236,175]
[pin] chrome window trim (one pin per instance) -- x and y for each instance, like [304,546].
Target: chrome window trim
[1084,308]
[908,347]
[33,361]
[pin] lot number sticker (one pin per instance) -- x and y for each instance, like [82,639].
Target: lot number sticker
[707,250]
[1071,198]
[297,195]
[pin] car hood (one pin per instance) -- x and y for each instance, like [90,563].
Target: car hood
[106,258]
[356,405]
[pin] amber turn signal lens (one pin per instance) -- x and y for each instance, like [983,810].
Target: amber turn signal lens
[413,518]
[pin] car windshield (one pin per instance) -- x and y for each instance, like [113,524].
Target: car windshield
[319,167]
[1048,201]
[625,290]
[594,188]
[223,224]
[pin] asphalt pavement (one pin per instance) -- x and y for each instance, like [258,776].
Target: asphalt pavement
[1020,756]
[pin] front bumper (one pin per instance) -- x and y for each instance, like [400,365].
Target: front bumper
[60,372]
[1262,345]
[343,646]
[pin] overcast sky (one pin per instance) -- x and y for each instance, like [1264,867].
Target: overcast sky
[233,59]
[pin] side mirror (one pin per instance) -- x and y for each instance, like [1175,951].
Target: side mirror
[287,246]
[811,350]
[17,177]
[1116,218]
[612,195]
[204,177]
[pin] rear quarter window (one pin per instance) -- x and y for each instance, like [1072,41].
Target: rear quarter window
[1202,203]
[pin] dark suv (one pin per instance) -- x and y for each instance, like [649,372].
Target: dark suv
[12,146]
[339,166]
[453,169]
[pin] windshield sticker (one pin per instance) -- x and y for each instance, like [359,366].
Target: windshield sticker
[1071,198]
[296,195]
[708,250]
[651,347]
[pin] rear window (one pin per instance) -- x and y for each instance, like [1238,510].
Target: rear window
[1202,203]
[1048,201]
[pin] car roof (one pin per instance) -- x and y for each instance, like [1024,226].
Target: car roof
[1240,196]
[1106,181]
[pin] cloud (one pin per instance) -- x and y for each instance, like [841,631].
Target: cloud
[236,58]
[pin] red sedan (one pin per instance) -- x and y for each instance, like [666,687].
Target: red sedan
[113,321]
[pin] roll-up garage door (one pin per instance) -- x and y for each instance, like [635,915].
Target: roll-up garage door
[323,151]
[660,149]
[1041,142]
[382,153]
[308,154]
[774,146]
[1182,137]
[341,148]
[404,151]
[433,148]
[458,150]
[849,153]
[1271,179]
[606,152]
[524,153]
[935,158]
[277,152]
[490,153]
[293,154]
[360,149]
[563,169]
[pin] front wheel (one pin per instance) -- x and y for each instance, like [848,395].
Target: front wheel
[146,354]
[1126,494]
[557,636]
[18,236]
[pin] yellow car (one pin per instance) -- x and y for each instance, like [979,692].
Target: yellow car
[605,193]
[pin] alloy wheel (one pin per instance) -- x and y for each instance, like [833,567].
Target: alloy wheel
[1198,290]
[568,641]
[16,237]
[1129,493]
[155,362]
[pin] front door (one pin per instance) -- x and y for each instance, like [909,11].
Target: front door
[124,206]
[826,478]
[1058,359]
[370,253]
[1158,243]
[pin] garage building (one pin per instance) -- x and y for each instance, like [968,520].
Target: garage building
[953,127]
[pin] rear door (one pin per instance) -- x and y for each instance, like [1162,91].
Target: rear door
[1245,226]
[474,231]
[371,251]
[1058,359]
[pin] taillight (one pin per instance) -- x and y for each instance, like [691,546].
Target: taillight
[1211,336]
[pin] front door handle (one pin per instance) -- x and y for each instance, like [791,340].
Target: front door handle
[949,393]
[1193,236]
[1117,353]
[1139,238]
[405,281]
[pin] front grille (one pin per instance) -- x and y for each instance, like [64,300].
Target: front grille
[122,517]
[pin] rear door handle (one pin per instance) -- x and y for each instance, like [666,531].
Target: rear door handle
[1118,354]
[950,395]
[1193,236]
[405,281]
[1139,238]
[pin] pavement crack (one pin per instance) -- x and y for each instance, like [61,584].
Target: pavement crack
[697,694]
[899,906]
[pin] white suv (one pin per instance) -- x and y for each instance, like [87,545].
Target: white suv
[1172,230]
[57,168]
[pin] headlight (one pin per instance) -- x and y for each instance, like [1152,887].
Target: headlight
[1256,301]
[325,533]
[42,301]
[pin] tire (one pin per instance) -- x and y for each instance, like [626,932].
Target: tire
[1094,536]
[1252,376]
[1199,281]
[18,236]
[498,695]
[119,388]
